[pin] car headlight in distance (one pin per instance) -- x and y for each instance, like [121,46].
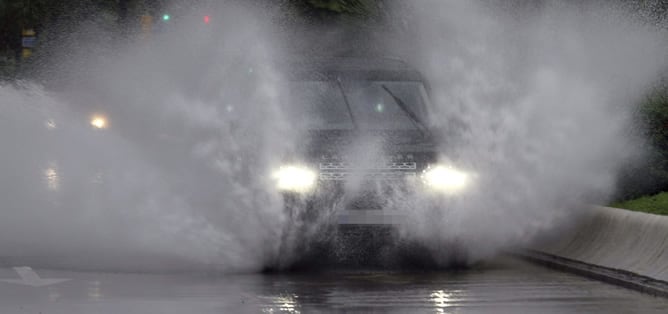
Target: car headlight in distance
[445,179]
[295,178]
[98,122]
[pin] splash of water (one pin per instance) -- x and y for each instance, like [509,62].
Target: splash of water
[174,170]
[538,106]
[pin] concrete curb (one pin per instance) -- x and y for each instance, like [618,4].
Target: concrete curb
[613,276]
[614,245]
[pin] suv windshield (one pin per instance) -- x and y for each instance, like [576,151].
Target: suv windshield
[322,104]
[318,105]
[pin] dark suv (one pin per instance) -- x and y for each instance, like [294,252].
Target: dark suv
[368,149]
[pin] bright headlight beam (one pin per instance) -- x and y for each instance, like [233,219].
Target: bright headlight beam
[295,179]
[445,179]
[98,122]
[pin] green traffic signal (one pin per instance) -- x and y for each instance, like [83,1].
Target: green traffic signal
[166,17]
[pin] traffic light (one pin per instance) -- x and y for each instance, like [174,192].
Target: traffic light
[207,19]
[166,17]
[28,42]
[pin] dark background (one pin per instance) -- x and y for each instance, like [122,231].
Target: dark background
[55,23]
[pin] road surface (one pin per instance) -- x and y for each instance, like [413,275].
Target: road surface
[507,285]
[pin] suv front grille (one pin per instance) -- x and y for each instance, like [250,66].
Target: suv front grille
[385,166]
[385,171]
[367,176]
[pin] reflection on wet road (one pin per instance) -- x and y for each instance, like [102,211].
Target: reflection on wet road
[505,286]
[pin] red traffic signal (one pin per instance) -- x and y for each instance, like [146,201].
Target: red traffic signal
[207,19]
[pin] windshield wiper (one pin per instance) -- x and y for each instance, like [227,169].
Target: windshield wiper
[414,118]
[345,99]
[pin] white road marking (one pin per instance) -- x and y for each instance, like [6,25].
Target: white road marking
[30,278]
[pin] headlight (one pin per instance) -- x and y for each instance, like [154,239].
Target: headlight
[295,179]
[445,179]
[98,122]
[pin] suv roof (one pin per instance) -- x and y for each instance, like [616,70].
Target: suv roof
[363,68]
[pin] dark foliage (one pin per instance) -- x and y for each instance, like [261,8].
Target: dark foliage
[649,175]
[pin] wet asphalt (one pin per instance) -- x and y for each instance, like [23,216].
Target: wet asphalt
[506,285]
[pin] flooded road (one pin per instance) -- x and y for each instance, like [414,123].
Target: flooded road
[504,286]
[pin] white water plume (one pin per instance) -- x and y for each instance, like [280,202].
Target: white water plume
[175,171]
[537,102]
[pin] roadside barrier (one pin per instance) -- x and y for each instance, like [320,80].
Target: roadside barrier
[629,242]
